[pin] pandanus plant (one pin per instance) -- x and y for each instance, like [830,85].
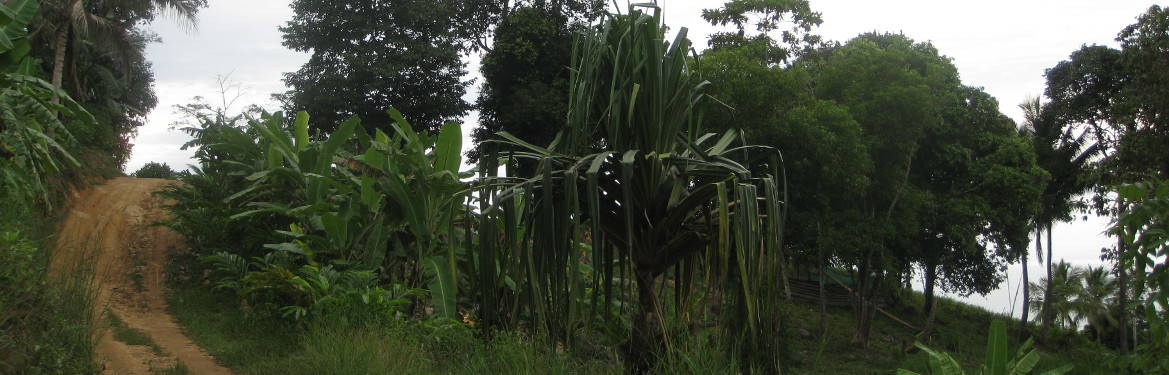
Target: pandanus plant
[633,174]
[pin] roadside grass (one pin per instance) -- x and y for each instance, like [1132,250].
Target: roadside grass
[131,336]
[47,324]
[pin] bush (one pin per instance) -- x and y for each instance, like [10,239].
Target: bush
[157,170]
[46,324]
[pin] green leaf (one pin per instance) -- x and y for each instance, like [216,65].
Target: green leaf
[301,129]
[1026,363]
[449,148]
[442,288]
[1059,370]
[996,349]
[517,141]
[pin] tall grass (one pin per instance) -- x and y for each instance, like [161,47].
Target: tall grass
[47,322]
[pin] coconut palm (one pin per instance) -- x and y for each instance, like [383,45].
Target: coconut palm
[1096,298]
[1058,293]
[67,24]
[1066,156]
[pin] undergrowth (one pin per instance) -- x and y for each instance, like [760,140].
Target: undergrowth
[47,324]
[252,344]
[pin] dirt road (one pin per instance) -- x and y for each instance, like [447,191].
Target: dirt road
[109,228]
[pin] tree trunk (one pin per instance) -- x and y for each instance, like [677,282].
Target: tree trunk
[787,290]
[1122,295]
[59,44]
[931,278]
[823,297]
[1026,297]
[647,340]
[866,289]
[1046,311]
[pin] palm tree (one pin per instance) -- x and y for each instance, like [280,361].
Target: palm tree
[1058,294]
[66,24]
[1096,298]
[1066,156]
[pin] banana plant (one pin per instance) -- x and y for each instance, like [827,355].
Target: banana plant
[33,137]
[997,361]
[411,180]
[398,197]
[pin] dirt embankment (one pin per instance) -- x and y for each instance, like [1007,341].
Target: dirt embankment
[109,228]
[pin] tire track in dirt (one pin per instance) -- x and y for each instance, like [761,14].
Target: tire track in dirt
[109,226]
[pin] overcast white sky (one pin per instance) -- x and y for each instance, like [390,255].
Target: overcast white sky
[1001,45]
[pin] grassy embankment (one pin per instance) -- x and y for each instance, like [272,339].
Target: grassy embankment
[255,345]
[47,325]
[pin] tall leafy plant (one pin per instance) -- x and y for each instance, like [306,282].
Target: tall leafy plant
[655,197]
[350,200]
[33,139]
[997,362]
[1144,230]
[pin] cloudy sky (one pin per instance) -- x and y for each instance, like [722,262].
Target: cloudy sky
[1003,46]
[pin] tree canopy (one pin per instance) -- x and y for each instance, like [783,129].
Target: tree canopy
[369,55]
[952,180]
[783,28]
[525,87]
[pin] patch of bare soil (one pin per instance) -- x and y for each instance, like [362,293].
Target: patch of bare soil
[110,225]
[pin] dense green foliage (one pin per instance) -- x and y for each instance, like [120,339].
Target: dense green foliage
[95,51]
[767,17]
[46,323]
[638,207]
[1143,229]
[653,192]
[525,79]
[371,55]
[952,186]
[156,170]
[997,360]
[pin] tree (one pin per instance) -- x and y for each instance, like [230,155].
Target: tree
[109,25]
[1145,47]
[1058,292]
[1066,154]
[478,20]
[525,90]
[156,170]
[766,17]
[1143,231]
[823,146]
[1096,300]
[34,141]
[982,184]
[952,180]
[369,55]
[881,80]
[94,50]
[1121,95]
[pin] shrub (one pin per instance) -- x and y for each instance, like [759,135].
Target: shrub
[157,170]
[46,324]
